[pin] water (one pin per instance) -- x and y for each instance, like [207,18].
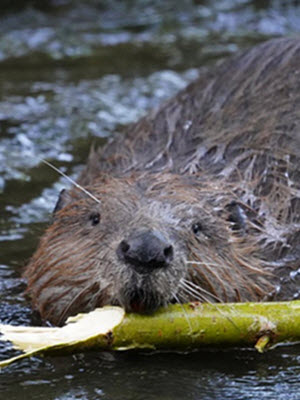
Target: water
[71,74]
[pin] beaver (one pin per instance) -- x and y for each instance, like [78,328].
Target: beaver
[197,201]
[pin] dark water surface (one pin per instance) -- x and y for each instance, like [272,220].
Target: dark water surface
[71,74]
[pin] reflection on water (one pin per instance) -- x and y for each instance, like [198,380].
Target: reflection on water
[72,73]
[136,375]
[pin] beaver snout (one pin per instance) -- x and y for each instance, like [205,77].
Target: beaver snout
[146,251]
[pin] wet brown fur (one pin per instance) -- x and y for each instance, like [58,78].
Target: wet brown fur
[224,153]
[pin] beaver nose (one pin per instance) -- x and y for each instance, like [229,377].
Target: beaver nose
[147,249]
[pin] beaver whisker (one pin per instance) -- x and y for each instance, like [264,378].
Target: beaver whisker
[214,273]
[203,298]
[86,289]
[184,311]
[202,263]
[195,287]
[195,295]
[71,180]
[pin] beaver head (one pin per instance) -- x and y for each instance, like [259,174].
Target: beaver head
[142,242]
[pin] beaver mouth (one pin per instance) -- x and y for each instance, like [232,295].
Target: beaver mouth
[142,301]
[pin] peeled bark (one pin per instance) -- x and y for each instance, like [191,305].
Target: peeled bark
[178,327]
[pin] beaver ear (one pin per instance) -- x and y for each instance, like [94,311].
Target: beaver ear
[236,216]
[64,199]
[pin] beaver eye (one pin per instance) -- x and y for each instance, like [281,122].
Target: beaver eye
[197,228]
[95,218]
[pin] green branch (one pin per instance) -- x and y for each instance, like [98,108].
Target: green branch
[180,327]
